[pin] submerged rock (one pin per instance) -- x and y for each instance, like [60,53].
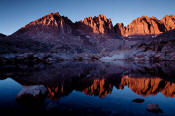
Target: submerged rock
[138,100]
[153,108]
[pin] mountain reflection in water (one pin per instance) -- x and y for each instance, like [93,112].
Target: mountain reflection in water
[141,85]
[95,78]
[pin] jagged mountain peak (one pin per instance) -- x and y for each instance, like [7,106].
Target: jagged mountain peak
[50,19]
[100,24]
[144,19]
[169,22]
[141,26]
[48,26]
[171,16]
[55,24]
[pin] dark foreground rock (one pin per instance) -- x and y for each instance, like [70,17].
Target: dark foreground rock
[2,35]
[138,100]
[154,108]
[32,94]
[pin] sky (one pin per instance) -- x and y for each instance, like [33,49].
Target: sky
[15,14]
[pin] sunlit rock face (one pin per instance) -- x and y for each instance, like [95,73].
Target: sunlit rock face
[146,26]
[169,22]
[99,25]
[53,27]
[148,86]
[48,27]
[141,26]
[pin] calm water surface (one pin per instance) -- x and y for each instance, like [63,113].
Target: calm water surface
[89,88]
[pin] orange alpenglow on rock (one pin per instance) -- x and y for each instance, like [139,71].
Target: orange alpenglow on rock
[141,26]
[146,26]
[99,25]
[169,22]
[54,25]
[49,26]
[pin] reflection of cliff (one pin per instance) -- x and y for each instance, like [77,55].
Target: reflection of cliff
[95,87]
[144,86]
[62,78]
[98,88]
[149,86]
[101,87]
[55,92]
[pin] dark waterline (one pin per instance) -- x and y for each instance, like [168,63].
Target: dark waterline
[90,88]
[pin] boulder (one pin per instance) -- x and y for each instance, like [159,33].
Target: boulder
[138,100]
[2,35]
[153,108]
[32,94]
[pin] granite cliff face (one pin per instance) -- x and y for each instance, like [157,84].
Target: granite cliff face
[141,26]
[99,25]
[54,26]
[46,28]
[169,22]
[146,26]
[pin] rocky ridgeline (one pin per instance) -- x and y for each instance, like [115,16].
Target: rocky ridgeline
[53,25]
[169,22]
[91,38]
[99,25]
[45,29]
[146,26]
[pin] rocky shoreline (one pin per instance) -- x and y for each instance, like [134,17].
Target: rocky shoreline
[51,58]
